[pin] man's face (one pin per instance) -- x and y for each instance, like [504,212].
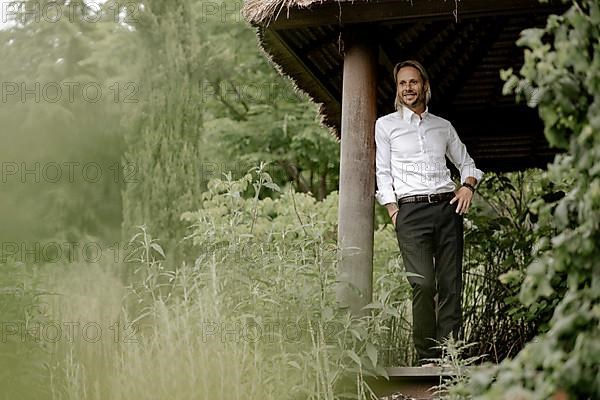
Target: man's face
[411,88]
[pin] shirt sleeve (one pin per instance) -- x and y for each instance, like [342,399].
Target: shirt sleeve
[457,153]
[383,160]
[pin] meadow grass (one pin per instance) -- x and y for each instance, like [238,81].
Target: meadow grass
[253,316]
[183,348]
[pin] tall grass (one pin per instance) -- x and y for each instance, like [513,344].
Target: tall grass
[254,317]
[22,354]
[86,303]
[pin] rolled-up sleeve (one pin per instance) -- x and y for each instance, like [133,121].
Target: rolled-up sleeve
[385,189]
[457,153]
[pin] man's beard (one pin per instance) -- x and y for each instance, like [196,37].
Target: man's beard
[418,98]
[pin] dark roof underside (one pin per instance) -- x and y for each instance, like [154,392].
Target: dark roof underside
[463,59]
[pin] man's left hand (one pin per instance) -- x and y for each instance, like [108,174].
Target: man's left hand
[463,196]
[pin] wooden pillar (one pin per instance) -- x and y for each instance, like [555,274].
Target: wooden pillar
[357,171]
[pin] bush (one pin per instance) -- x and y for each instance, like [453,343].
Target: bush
[561,74]
[500,234]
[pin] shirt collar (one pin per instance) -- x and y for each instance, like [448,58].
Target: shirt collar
[407,114]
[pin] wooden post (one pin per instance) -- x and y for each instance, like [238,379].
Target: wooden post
[357,171]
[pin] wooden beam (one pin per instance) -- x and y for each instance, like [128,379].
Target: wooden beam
[300,70]
[310,73]
[357,171]
[351,12]
[487,32]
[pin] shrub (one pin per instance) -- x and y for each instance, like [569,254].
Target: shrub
[561,74]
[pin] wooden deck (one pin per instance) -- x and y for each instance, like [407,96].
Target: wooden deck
[418,383]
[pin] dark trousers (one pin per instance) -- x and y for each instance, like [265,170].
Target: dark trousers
[430,237]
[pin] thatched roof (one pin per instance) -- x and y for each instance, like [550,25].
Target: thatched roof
[261,12]
[463,52]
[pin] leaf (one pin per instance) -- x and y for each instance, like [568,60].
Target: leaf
[408,274]
[355,334]
[273,186]
[531,37]
[294,364]
[374,305]
[372,353]
[159,249]
[382,372]
[391,311]
[561,214]
[354,357]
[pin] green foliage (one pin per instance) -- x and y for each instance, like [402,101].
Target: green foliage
[501,231]
[301,152]
[48,122]
[23,351]
[455,358]
[255,115]
[276,261]
[562,72]
[212,104]
[164,141]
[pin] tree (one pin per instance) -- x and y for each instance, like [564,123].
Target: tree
[210,104]
[63,74]
[254,115]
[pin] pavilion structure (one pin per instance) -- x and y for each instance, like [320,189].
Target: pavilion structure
[341,53]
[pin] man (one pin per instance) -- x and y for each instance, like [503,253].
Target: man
[414,184]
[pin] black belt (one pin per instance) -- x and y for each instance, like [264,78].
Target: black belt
[427,198]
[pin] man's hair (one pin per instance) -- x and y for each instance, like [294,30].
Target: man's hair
[419,67]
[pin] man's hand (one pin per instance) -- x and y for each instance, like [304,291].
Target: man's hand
[463,196]
[392,209]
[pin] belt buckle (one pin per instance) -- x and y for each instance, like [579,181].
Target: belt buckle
[429,198]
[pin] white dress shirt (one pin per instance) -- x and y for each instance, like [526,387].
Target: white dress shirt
[410,155]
